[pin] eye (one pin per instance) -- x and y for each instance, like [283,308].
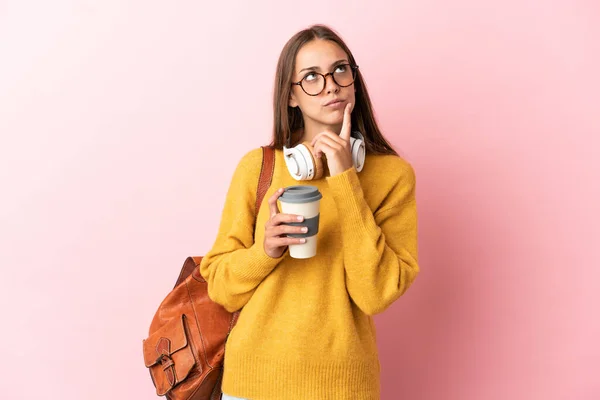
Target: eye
[311,76]
[341,68]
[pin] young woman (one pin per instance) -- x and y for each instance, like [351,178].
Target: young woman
[305,330]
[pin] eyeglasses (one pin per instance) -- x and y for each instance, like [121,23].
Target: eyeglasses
[314,83]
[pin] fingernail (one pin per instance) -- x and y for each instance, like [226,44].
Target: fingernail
[304,229]
[300,217]
[302,240]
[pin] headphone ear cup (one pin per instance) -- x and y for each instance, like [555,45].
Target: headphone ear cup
[358,150]
[317,162]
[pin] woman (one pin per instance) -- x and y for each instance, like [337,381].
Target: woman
[306,330]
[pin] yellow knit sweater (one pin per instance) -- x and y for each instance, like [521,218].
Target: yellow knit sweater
[306,331]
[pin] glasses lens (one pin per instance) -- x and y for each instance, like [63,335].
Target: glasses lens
[344,75]
[313,84]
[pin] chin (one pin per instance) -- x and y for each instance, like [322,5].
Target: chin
[333,118]
[330,119]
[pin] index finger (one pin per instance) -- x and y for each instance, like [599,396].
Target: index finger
[346,123]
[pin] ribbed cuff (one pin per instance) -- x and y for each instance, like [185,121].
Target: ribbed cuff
[356,217]
[258,264]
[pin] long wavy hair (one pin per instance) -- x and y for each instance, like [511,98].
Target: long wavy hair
[288,121]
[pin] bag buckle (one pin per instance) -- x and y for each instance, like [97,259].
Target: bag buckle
[163,347]
[165,360]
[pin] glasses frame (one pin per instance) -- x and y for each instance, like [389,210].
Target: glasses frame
[354,68]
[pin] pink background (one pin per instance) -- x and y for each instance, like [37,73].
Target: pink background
[122,121]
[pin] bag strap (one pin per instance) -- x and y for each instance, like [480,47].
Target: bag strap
[266,176]
[264,182]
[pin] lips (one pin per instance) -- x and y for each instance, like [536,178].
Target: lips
[334,102]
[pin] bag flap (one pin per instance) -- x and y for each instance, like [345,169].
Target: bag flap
[168,356]
[169,339]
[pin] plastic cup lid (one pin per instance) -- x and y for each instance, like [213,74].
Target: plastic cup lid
[300,194]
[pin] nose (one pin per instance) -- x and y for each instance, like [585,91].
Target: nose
[330,85]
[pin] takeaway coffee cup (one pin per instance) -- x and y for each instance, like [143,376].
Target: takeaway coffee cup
[303,200]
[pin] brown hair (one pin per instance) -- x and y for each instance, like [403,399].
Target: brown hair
[288,120]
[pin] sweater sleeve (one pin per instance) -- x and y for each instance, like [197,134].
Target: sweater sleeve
[380,248]
[236,265]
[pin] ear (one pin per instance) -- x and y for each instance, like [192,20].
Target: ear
[292,102]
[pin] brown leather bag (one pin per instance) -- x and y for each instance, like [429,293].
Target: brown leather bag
[185,347]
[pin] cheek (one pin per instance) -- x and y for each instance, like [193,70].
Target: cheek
[351,93]
[310,105]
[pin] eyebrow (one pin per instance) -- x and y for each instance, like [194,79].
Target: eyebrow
[316,68]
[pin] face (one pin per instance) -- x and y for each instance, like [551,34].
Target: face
[325,110]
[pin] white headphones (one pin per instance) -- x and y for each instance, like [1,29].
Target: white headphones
[304,166]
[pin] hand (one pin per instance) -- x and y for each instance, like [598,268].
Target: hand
[336,148]
[276,240]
